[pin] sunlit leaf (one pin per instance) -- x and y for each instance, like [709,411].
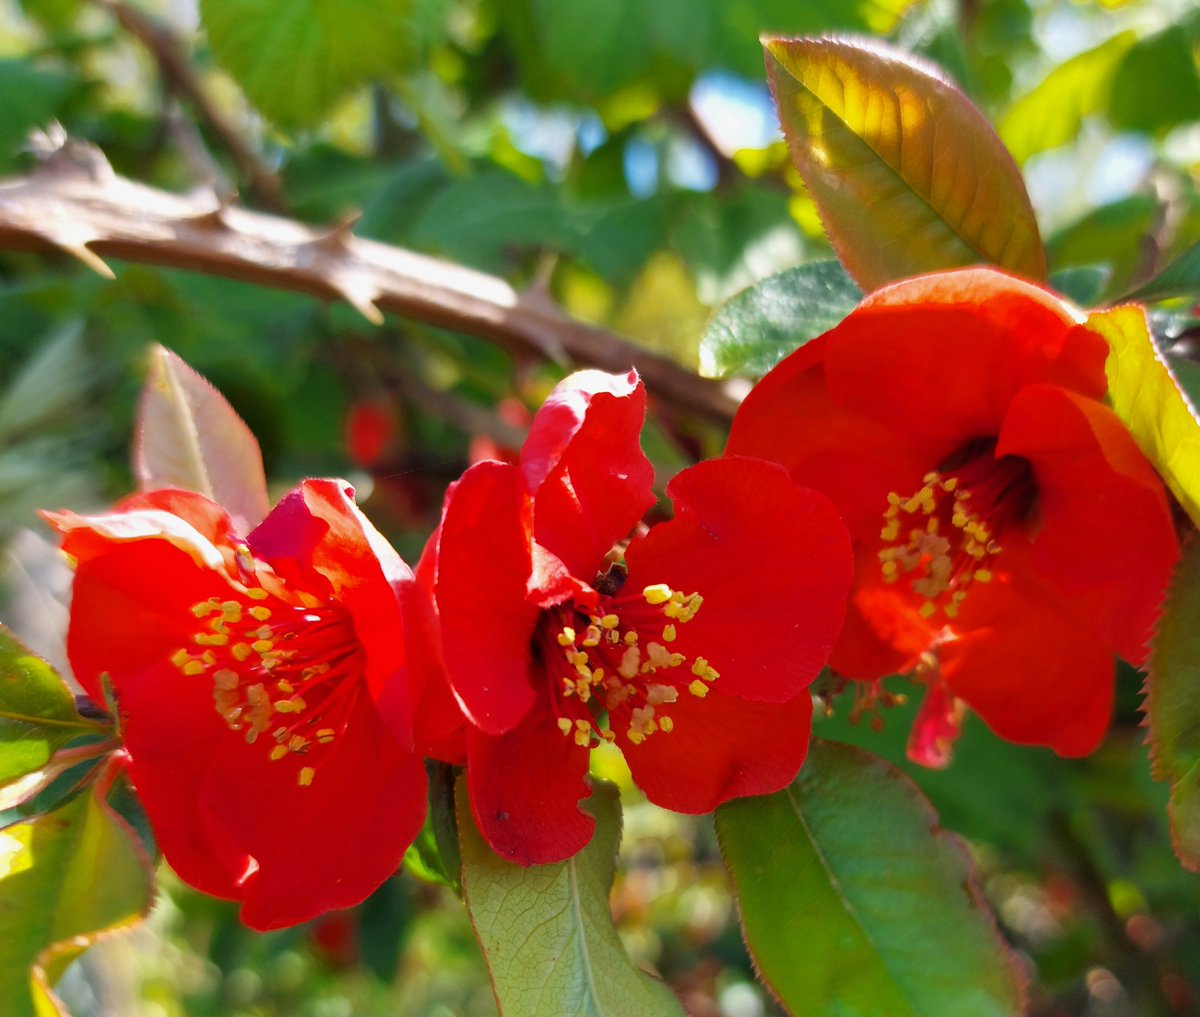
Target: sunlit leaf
[908,175]
[757,328]
[1181,278]
[189,437]
[1157,85]
[1051,113]
[65,878]
[295,58]
[1173,704]
[1150,402]
[546,931]
[853,901]
[37,712]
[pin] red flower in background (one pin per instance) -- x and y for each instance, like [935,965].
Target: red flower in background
[1009,535]
[263,690]
[693,657]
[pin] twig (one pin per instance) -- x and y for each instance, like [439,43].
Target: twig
[74,202]
[179,77]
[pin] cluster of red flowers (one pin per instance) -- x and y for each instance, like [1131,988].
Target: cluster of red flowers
[278,690]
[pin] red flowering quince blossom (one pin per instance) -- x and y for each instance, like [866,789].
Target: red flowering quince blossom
[1009,535]
[693,655]
[262,685]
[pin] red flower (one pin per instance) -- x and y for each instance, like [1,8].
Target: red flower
[262,687]
[1009,536]
[694,657]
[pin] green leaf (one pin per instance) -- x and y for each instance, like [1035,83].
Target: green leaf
[907,175]
[1173,704]
[295,58]
[1157,85]
[1181,278]
[37,712]
[1051,114]
[758,327]
[1149,401]
[30,97]
[189,437]
[546,931]
[853,901]
[1083,285]
[65,878]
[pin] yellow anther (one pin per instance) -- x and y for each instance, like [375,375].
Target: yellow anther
[567,636]
[279,752]
[206,607]
[890,571]
[194,667]
[264,632]
[666,725]
[256,594]
[260,613]
[983,576]
[232,610]
[297,743]
[225,679]
[180,657]
[610,621]
[240,652]
[668,633]
[285,686]
[565,725]
[659,593]
[262,646]
[568,687]
[631,637]
[698,689]
[593,636]
[583,733]
[699,666]
[583,670]
[306,776]
[631,660]
[285,706]
[325,735]
[252,736]
[949,484]
[216,639]
[926,610]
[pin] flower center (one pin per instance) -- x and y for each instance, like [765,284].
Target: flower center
[610,664]
[943,538]
[281,670]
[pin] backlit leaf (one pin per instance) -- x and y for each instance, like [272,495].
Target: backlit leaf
[295,58]
[546,931]
[1050,115]
[1173,704]
[189,437]
[1150,402]
[65,878]
[37,712]
[758,327]
[907,174]
[853,901]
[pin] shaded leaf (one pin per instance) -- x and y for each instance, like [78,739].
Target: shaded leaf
[1149,401]
[758,327]
[853,901]
[50,386]
[189,437]
[37,712]
[907,174]
[1157,85]
[546,931]
[1173,704]
[1181,278]
[295,58]
[1051,114]
[1083,285]
[29,97]
[66,878]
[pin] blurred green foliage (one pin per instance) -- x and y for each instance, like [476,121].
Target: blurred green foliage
[621,156]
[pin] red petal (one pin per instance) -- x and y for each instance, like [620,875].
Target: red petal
[484,562]
[1029,667]
[941,356]
[584,466]
[131,608]
[720,748]
[1104,537]
[525,790]
[853,459]
[772,561]
[325,846]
